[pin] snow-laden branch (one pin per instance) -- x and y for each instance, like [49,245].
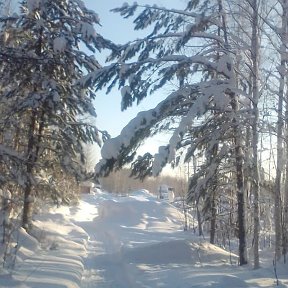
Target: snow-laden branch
[144,121]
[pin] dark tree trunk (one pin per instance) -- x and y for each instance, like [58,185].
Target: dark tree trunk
[213,220]
[31,158]
[239,184]
[241,229]
[200,230]
[213,198]
[28,207]
[255,134]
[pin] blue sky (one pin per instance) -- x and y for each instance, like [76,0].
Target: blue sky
[119,30]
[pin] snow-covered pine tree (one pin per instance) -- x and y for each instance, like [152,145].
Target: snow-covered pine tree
[185,46]
[42,64]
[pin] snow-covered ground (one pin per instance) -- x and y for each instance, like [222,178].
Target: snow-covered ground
[126,242]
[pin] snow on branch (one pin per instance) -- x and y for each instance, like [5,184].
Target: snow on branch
[114,148]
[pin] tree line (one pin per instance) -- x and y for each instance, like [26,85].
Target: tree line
[121,182]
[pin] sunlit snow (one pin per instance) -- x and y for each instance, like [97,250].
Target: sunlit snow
[125,241]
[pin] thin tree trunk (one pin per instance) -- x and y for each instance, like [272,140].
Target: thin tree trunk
[32,151]
[213,220]
[6,209]
[240,202]
[237,137]
[28,207]
[199,218]
[285,210]
[28,197]
[277,196]
[240,187]
[280,125]
[213,199]
[255,134]
[200,230]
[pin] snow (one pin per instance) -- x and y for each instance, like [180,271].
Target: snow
[110,149]
[160,160]
[112,146]
[59,44]
[87,30]
[33,4]
[132,241]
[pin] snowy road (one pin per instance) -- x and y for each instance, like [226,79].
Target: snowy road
[126,242]
[119,227]
[138,242]
[104,265]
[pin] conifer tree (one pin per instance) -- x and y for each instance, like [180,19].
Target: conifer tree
[42,64]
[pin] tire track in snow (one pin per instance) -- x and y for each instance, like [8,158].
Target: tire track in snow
[105,266]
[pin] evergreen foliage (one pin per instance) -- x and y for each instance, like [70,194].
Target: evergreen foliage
[42,101]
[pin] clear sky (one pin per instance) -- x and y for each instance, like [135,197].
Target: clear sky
[108,107]
[120,30]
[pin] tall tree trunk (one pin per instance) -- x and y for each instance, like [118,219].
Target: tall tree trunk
[199,220]
[32,150]
[240,193]
[213,219]
[255,134]
[238,147]
[28,197]
[199,217]
[280,125]
[28,207]
[285,210]
[5,209]
[213,198]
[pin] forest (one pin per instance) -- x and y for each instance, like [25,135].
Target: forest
[222,67]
